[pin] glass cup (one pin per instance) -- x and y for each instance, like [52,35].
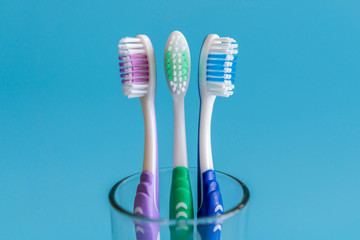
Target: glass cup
[232,223]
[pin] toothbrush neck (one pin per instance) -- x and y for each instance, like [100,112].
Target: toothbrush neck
[150,151]
[180,151]
[206,161]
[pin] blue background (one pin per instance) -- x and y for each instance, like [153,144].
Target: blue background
[291,131]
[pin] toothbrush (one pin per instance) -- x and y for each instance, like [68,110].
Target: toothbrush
[177,72]
[138,73]
[216,78]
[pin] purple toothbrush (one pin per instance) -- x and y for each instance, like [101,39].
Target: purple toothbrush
[138,73]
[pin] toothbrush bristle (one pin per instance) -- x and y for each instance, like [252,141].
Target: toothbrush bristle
[134,69]
[220,66]
[177,63]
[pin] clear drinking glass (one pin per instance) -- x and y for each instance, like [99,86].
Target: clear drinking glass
[233,221]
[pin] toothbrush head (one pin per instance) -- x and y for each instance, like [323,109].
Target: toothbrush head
[177,63]
[217,66]
[137,67]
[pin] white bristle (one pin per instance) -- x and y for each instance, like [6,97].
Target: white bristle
[130,40]
[227,64]
[229,57]
[131,45]
[127,64]
[225,39]
[131,51]
[220,45]
[223,50]
[227,70]
[220,89]
[135,87]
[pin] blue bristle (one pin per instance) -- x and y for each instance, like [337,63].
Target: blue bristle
[215,63]
[215,74]
[219,74]
[218,56]
[219,67]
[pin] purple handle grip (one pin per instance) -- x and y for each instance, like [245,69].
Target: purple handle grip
[146,205]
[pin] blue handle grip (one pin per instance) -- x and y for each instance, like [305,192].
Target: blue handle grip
[211,205]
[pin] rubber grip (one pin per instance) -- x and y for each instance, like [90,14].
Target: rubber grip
[145,206]
[211,205]
[181,204]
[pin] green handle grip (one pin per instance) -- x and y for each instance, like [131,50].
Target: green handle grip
[181,204]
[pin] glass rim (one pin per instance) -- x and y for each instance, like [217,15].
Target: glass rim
[194,221]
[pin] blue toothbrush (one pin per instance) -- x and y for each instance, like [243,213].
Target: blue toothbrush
[216,78]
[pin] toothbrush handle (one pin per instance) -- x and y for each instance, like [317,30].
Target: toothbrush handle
[212,205]
[145,205]
[181,204]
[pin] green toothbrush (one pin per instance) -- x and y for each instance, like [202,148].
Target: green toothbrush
[177,71]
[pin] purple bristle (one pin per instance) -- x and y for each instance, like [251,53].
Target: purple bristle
[137,56]
[136,80]
[133,66]
[140,80]
[135,74]
[134,69]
